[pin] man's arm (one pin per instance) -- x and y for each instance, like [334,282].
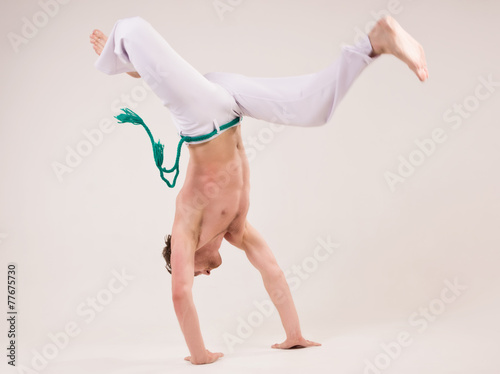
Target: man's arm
[182,260]
[261,256]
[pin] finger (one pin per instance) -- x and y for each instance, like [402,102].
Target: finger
[188,358]
[311,343]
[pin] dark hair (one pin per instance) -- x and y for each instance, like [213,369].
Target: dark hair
[167,251]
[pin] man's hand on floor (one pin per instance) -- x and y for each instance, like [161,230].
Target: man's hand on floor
[208,359]
[295,343]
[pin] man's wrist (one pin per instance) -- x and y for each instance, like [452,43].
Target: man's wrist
[199,358]
[294,335]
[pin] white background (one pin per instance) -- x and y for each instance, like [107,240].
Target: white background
[396,249]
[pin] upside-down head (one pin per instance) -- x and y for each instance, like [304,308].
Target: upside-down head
[206,258]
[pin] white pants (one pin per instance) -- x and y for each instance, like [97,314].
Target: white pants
[200,103]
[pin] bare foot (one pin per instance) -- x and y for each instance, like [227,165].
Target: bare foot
[98,40]
[389,37]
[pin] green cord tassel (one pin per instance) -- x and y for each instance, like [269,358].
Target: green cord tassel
[128,116]
[158,153]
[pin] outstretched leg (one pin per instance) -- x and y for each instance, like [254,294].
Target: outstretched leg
[310,100]
[197,105]
[98,40]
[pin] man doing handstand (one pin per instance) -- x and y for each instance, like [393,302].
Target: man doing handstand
[213,203]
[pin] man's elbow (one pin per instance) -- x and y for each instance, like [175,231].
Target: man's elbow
[180,295]
[274,275]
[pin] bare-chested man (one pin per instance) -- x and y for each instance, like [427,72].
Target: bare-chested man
[213,202]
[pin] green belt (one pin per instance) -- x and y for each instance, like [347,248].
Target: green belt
[128,116]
